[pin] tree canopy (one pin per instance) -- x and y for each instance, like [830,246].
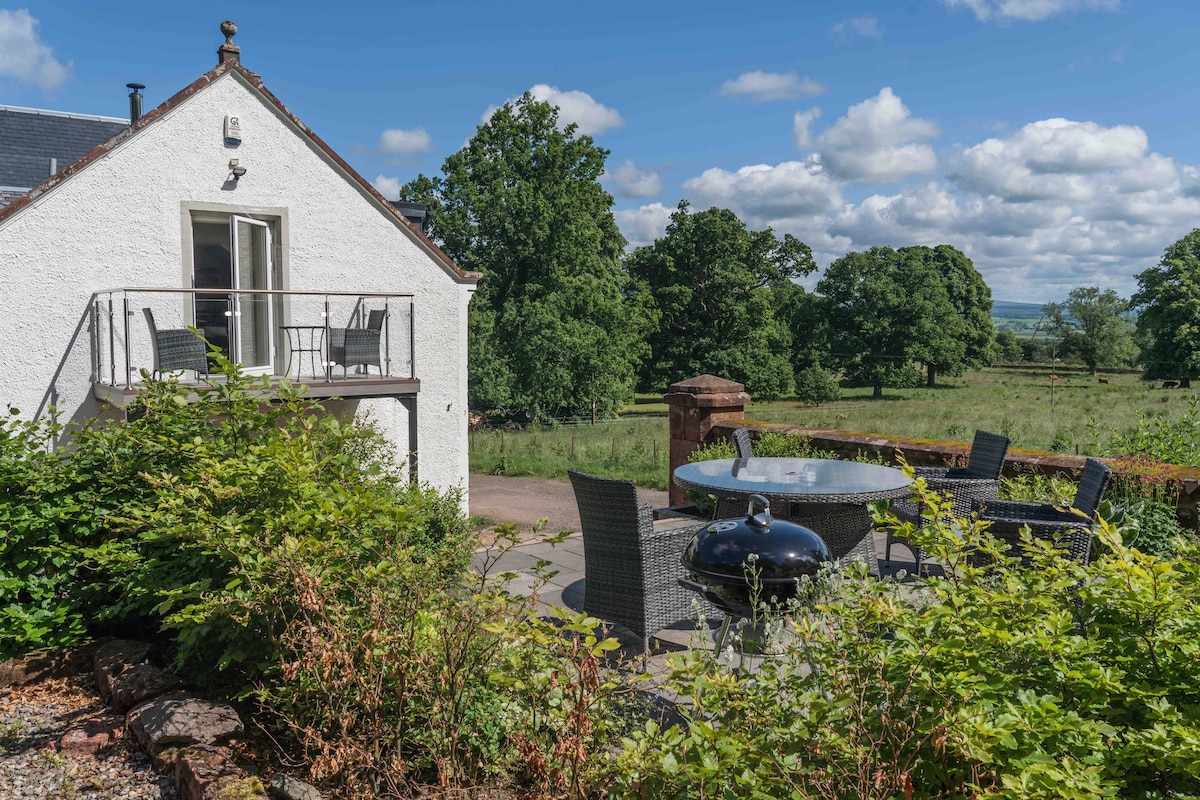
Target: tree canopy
[1168,305]
[712,288]
[1092,326]
[887,309]
[972,302]
[550,331]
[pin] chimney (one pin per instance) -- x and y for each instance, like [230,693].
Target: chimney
[229,53]
[135,101]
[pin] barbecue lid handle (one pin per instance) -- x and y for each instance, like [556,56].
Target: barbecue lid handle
[762,519]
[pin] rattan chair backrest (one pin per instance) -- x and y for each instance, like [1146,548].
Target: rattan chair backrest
[743,442]
[1093,482]
[987,455]
[606,504]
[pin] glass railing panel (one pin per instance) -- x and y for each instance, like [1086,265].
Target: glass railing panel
[307,336]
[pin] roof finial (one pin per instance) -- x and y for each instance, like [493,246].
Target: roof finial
[229,53]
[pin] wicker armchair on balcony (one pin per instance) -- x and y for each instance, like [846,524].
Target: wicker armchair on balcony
[631,571]
[979,480]
[176,348]
[1070,529]
[358,347]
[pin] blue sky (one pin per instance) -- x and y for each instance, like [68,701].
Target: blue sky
[1051,140]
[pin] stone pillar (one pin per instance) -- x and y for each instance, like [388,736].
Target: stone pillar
[695,406]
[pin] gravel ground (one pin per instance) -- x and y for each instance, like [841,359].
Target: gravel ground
[32,721]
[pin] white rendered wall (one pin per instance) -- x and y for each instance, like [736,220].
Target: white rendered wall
[120,223]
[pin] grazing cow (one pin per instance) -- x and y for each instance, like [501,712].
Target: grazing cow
[1103,380]
[1053,377]
[1170,384]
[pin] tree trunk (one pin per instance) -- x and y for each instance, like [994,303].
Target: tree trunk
[930,375]
[878,393]
[1185,383]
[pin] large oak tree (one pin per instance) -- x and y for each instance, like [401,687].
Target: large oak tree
[1091,325]
[550,329]
[713,288]
[888,310]
[1168,305]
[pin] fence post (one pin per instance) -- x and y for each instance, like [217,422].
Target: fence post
[695,406]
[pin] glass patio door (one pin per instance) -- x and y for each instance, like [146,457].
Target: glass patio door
[253,314]
[232,254]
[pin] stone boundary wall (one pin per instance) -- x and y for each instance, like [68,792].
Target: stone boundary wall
[1068,368]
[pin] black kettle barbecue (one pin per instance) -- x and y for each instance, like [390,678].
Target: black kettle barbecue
[736,563]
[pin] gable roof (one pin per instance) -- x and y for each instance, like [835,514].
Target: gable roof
[31,137]
[255,84]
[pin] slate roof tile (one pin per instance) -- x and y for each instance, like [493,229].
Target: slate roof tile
[29,138]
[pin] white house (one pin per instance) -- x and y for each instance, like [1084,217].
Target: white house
[220,210]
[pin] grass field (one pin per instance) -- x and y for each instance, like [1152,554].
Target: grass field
[1078,418]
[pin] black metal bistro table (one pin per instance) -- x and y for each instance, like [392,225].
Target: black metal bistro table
[827,496]
[305,339]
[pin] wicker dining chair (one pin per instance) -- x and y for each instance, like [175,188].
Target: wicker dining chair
[631,571]
[358,347]
[176,348]
[743,443]
[979,480]
[1071,529]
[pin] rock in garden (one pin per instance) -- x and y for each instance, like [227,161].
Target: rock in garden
[285,787]
[138,683]
[180,719]
[116,657]
[91,736]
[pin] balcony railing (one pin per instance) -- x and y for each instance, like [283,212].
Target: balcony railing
[343,343]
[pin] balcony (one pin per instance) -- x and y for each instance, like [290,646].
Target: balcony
[338,344]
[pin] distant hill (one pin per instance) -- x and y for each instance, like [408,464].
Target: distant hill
[1005,309]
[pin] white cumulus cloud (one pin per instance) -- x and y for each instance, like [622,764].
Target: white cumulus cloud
[762,86]
[395,141]
[23,55]
[879,140]
[388,187]
[793,195]
[867,26]
[801,122]
[634,181]
[1053,159]
[1029,10]
[641,226]
[577,107]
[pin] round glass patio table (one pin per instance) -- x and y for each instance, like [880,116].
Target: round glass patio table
[827,496]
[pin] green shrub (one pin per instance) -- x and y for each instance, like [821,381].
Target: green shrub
[454,685]
[280,557]
[169,524]
[815,385]
[1037,487]
[1051,681]
[1174,441]
[37,516]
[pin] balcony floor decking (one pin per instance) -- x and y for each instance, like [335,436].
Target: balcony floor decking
[354,386]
